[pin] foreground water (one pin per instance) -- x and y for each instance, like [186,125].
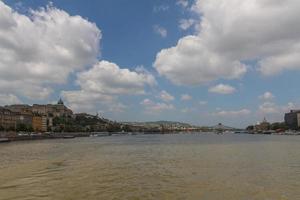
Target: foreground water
[194,166]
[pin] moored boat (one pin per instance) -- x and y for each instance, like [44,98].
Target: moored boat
[100,134]
[68,137]
[4,140]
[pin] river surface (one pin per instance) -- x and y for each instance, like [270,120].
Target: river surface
[189,166]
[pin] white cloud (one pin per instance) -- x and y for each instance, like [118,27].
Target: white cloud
[155,107]
[108,78]
[267,96]
[160,31]
[183,3]
[8,99]
[191,63]
[185,24]
[37,51]
[230,32]
[101,85]
[222,89]
[165,96]
[272,108]
[269,108]
[84,101]
[273,111]
[186,97]
[286,61]
[234,113]
[146,102]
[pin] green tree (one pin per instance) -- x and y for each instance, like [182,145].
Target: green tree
[278,125]
[250,128]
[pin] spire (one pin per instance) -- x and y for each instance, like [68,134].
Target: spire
[60,102]
[265,120]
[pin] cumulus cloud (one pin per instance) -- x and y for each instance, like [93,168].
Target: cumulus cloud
[101,85]
[272,108]
[230,32]
[275,64]
[267,96]
[160,31]
[222,89]
[191,63]
[185,24]
[84,101]
[8,99]
[156,107]
[165,96]
[186,97]
[38,50]
[108,78]
[183,3]
[233,113]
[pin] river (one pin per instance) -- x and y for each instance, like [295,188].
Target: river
[179,166]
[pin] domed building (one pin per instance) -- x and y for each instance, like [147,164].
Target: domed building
[53,110]
[262,126]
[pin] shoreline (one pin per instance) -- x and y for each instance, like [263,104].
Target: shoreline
[16,138]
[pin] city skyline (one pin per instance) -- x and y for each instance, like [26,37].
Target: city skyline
[200,62]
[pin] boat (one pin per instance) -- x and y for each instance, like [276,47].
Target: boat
[68,137]
[4,140]
[291,132]
[100,134]
[131,133]
[267,132]
[242,132]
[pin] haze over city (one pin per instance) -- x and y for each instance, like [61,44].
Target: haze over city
[201,62]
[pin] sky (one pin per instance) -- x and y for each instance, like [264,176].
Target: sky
[198,61]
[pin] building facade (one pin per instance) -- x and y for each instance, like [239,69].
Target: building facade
[38,117]
[39,123]
[23,114]
[262,126]
[7,119]
[52,110]
[292,119]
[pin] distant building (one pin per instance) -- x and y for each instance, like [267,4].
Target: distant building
[39,123]
[52,110]
[23,114]
[19,108]
[7,119]
[39,117]
[262,126]
[292,119]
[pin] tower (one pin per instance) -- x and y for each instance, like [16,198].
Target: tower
[60,102]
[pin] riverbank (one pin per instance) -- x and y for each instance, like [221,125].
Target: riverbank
[12,138]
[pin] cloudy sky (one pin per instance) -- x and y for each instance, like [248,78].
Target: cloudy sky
[197,61]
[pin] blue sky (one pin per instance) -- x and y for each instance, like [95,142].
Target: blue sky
[223,70]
